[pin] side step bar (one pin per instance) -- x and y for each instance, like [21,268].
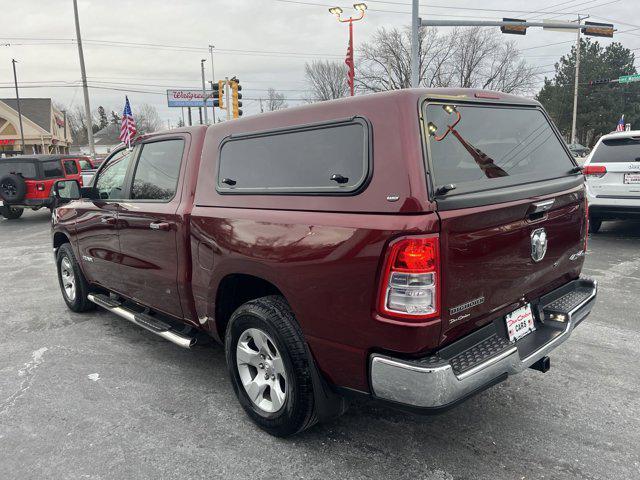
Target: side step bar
[143,320]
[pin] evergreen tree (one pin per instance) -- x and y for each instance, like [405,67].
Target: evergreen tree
[599,106]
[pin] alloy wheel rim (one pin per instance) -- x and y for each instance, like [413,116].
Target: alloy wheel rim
[68,278]
[261,369]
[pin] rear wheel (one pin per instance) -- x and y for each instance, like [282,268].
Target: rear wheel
[594,224]
[73,285]
[11,213]
[269,366]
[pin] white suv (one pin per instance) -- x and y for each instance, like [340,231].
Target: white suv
[613,178]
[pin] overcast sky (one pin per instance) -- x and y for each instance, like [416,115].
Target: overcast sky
[274,39]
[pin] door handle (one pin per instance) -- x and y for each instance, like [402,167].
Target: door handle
[108,220]
[164,226]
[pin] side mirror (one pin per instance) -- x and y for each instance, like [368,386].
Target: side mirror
[66,190]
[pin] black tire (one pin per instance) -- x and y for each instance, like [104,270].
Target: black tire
[11,213]
[594,225]
[273,315]
[13,188]
[79,302]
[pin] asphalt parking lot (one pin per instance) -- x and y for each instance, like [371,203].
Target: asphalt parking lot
[92,396]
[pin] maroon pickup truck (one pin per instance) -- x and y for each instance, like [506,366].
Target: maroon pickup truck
[415,247]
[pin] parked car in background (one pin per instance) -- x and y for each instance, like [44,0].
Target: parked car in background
[613,178]
[578,151]
[26,181]
[415,247]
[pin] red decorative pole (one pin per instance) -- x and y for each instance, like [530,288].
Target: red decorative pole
[337,11]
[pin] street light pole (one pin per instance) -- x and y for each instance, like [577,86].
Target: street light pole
[213,79]
[204,92]
[337,11]
[15,80]
[415,49]
[85,88]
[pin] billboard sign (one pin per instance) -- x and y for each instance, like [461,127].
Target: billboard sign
[188,98]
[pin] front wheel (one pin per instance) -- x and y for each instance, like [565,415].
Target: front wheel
[11,213]
[270,367]
[73,285]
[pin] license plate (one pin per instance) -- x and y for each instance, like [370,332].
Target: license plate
[520,323]
[631,178]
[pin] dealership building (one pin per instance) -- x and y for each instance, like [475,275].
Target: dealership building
[44,127]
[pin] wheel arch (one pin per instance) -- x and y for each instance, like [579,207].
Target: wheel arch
[234,290]
[60,239]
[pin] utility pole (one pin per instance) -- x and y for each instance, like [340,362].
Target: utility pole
[85,88]
[15,80]
[574,126]
[204,93]
[213,79]
[415,48]
[190,119]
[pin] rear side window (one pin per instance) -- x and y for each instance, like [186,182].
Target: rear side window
[329,158]
[482,147]
[71,167]
[158,169]
[26,169]
[52,169]
[617,150]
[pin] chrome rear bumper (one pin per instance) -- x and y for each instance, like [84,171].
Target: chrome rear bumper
[436,382]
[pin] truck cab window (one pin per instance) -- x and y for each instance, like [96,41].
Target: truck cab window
[157,171]
[110,183]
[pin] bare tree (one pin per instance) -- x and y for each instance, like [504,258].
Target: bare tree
[147,119]
[385,62]
[275,101]
[327,80]
[471,57]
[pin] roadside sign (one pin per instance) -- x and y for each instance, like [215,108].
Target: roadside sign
[188,98]
[629,78]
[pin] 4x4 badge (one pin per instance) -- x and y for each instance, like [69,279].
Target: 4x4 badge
[538,244]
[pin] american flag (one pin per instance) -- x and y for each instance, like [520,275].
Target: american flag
[128,125]
[620,127]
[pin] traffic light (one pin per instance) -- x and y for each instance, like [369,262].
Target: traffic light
[514,29]
[235,97]
[218,94]
[594,29]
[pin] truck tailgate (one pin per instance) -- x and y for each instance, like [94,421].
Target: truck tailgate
[487,263]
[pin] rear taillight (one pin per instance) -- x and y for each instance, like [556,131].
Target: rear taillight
[40,187]
[594,171]
[411,278]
